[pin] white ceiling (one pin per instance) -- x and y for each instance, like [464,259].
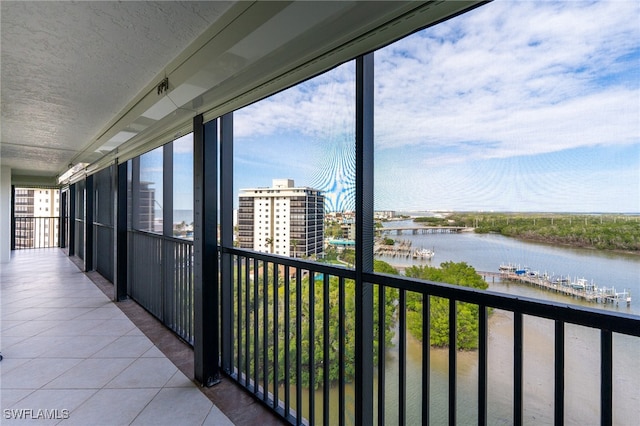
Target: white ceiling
[69,67]
[80,78]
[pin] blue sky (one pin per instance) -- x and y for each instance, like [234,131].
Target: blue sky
[517,106]
[151,171]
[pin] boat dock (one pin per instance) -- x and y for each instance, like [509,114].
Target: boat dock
[580,288]
[402,248]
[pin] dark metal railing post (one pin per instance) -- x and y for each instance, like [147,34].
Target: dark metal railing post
[325,349]
[606,378]
[483,334]
[558,405]
[453,344]
[206,348]
[341,368]
[298,310]
[364,241]
[426,357]
[402,367]
[517,367]
[312,348]
[382,382]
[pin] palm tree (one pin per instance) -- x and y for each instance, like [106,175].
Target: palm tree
[268,242]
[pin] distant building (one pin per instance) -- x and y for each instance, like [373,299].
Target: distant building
[384,214]
[37,211]
[283,219]
[145,217]
[348,228]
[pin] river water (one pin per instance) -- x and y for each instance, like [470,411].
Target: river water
[485,252]
[582,356]
[582,345]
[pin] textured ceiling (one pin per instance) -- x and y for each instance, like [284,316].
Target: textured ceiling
[68,68]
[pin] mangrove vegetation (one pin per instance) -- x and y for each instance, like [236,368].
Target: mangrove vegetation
[307,299]
[598,231]
[467,314]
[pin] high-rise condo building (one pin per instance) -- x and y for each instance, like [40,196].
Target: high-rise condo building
[283,219]
[36,210]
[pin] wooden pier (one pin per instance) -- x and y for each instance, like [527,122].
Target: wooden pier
[399,249]
[589,293]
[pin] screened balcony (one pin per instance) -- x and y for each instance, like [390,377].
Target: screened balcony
[373,120]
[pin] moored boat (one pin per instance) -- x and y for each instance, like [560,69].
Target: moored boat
[423,253]
[507,268]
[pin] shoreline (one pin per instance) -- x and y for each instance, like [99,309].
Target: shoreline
[569,245]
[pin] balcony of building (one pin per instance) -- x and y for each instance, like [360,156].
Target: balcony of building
[133,310]
[72,355]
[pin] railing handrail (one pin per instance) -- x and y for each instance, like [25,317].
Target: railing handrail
[160,236]
[295,262]
[36,217]
[616,322]
[41,231]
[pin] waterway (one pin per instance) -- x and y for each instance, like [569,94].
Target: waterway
[485,252]
[582,357]
[582,345]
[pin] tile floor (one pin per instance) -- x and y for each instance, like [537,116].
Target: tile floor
[71,354]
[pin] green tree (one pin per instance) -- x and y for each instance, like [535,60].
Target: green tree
[309,285]
[467,314]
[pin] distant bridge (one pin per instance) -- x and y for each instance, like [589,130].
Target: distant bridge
[415,230]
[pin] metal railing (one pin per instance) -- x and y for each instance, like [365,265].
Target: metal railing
[161,279]
[293,341]
[36,232]
[292,331]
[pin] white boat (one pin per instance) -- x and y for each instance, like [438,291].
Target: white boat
[507,268]
[580,284]
[423,253]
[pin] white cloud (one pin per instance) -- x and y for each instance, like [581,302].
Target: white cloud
[525,78]
[314,108]
[507,80]
[184,144]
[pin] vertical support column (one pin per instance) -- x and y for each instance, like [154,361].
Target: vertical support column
[168,252]
[120,233]
[72,220]
[88,224]
[167,190]
[364,240]
[226,238]
[135,193]
[206,348]
[6,207]
[62,243]
[13,217]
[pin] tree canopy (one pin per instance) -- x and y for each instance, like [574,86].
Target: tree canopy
[467,314]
